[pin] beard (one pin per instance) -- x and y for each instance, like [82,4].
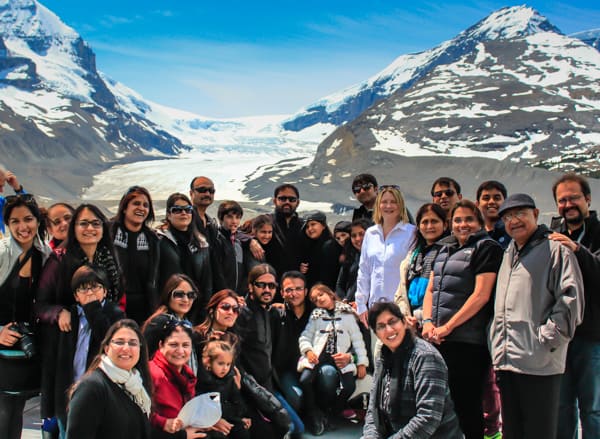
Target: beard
[575,220]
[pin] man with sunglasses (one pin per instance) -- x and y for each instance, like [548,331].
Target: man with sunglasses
[11,179]
[287,229]
[577,228]
[364,188]
[202,193]
[445,192]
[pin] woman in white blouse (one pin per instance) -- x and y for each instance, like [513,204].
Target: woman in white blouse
[385,245]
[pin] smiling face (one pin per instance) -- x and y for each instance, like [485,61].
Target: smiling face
[357,234]
[390,209]
[321,299]
[341,237]
[489,202]
[263,288]
[390,329]
[314,229]
[88,228]
[520,223]
[264,234]
[181,305]
[293,291]
[431,227]
[177,348]
[59,218]
[446,196]
[226,314]
[23,226]
[464,224]
[573,206]
[182,219]
[124,349]
[286,202]
[136,212]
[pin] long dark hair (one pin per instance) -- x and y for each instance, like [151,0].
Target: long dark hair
[436,209]
[72,243]
[211,307]
[24,200]
[193,232]
[141,365]
[165,296]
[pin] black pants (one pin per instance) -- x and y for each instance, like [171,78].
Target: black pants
[334,390]
[11,416]
[468,365]
[529,405]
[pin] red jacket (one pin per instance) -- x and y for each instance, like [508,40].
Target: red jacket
[172,389]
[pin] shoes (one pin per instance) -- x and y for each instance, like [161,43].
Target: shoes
[350,415]
[316,423]
[497,435]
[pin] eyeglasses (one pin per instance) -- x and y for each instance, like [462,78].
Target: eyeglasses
[181,209]
[121,343]
[391,323]
[180,294]
[570,199]
[284,198]
[204,189]
[519,214]
[230,307]
[66,218]
[290,290]
[389,186]
[265,285]
[447,192]
[365,187]
[94,288]
[84,224]
[26,198]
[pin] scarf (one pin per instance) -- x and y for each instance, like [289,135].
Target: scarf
[122,239]
[131,381]
[106,260]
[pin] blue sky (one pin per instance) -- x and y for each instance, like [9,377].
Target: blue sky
[240,58]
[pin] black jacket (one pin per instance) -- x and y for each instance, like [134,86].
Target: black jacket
[231,258]
[323,258]
[287,329]
[195,263]
[345,286]
[232,405]
[588,256]
[286,243]
[100,409]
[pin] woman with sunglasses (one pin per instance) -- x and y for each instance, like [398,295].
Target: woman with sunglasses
[112,400]
[137,248]
[176,301]
[384,247]
[58,218]
[92,315]
[88,242]
[223,310]
[183,249]
[22,255]
[173,381]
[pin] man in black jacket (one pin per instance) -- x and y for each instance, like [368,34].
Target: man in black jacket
[578,228]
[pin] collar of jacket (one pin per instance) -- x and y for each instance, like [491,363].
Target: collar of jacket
[540,235]
[280,218]
[559,224]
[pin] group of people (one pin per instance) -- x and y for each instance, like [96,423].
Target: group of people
[471,319]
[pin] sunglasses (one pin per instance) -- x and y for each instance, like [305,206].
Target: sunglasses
[84,224]
[365,187]
[204,189]
[181,209]
[26,198]
[172,322]
[230,307]
[180,294]
[389,186]
[283,199]
[264,285]
[447,192]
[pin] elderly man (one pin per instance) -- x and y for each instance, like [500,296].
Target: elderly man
[539,302]
[578,229]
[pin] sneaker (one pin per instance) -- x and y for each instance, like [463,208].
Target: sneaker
[316,423]
[497,435]
[350,415]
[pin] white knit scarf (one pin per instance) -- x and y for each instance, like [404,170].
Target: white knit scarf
[130,380]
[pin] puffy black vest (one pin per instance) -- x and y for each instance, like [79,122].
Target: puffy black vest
[453,283]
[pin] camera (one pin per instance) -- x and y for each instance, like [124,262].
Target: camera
[27,341]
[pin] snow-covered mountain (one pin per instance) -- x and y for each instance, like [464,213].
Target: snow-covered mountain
[591,37]
[348,104]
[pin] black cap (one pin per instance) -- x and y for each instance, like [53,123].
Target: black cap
[315,216]
[516,200]
[342,226]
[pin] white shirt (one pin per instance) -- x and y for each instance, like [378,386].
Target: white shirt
[379,267]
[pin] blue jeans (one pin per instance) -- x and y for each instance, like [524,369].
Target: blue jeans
[289,384]
[580,391]
[298,424]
